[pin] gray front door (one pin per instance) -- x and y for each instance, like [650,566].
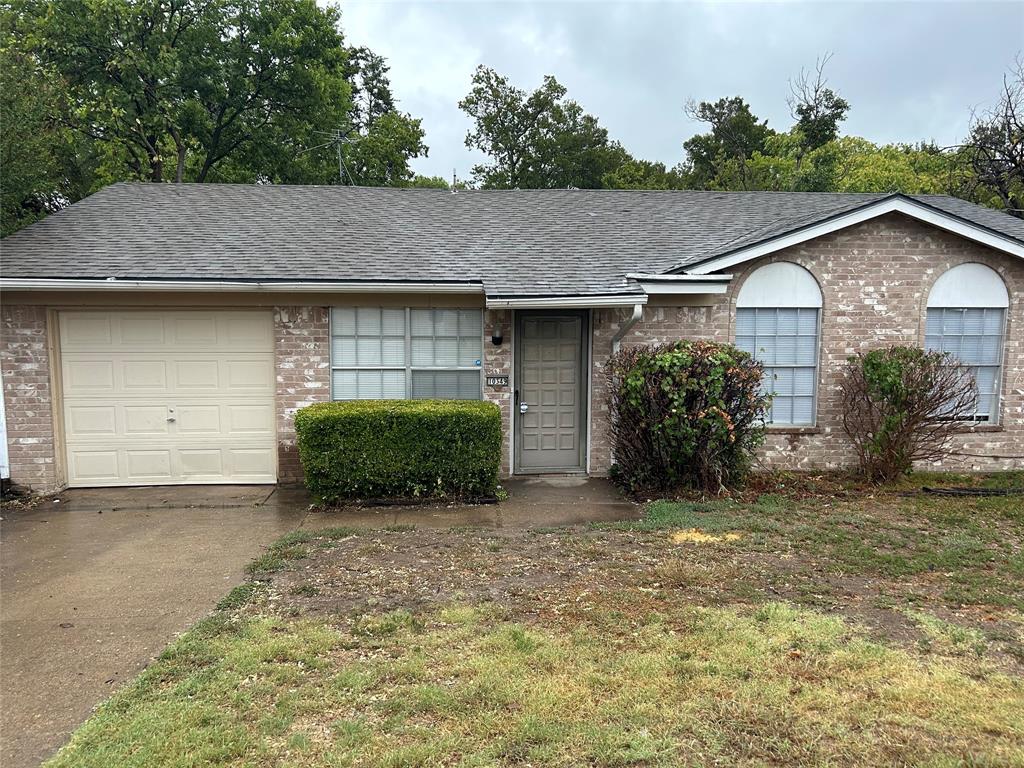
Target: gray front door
[550,391]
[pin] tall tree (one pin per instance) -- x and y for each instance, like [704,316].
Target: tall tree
[718,159]
[228,90]
[43,164]
[535,140]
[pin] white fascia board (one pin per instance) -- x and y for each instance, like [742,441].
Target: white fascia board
[220,286]
[567,302]
[676,285]
[679,289]
[890,205]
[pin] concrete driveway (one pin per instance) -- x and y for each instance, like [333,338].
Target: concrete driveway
[93,587]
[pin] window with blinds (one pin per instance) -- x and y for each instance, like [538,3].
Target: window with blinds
[785,341]
[399,353]
[975,337]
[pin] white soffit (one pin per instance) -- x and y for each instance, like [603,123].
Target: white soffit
[902,205]
[671,284]
[969,285]
[780,284]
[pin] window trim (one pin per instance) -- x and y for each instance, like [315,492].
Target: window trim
[801,301]
[408,367]
[790,426]
[995,419]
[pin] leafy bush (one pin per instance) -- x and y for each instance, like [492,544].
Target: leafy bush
[400,448]
[903,404]
[685,414]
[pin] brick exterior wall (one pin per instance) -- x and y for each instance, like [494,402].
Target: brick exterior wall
[302,358]
[498,362]
[28,401]
[875,278]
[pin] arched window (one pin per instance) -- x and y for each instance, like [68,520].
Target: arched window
[967,317]
[778,312]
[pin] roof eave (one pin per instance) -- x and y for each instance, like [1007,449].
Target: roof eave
[897,203]
[243,286]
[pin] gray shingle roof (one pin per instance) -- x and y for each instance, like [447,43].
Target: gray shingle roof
[518,242]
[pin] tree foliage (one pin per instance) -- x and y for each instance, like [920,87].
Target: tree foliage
[720,158]
[220,90]
[535,140]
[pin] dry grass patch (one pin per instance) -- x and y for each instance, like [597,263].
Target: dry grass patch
[832,628]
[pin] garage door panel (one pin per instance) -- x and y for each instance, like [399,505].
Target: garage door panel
[169,397]
[142,375]
[148,464]
[98,467]
[202,462]
[198,374]
[199,420]
[81,376]
[85,329]
[91,420]
[252,462]
[145,420]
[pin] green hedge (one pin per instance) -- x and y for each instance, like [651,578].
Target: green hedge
[400,448]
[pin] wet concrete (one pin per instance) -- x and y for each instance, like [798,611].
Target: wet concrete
[95,583]
[533,502]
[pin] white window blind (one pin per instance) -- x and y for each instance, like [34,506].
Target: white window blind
[398,353]
[785,341]
[975,337]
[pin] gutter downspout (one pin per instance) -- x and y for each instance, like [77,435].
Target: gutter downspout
[638,312]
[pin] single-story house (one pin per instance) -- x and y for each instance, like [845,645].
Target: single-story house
[167,333]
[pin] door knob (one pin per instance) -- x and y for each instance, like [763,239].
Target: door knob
[523,407]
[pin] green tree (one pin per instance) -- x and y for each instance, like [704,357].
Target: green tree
[535,140]
[644,174]
[718,159]
[227,90]
[43,164]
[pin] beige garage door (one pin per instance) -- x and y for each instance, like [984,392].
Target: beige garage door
[168,397]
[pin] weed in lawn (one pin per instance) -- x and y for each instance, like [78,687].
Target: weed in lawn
[241,595]
[947,638]
[305,590]
[774,684]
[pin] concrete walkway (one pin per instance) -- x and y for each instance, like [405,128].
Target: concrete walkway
[96,584]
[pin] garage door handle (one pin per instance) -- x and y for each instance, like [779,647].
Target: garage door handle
[171,418]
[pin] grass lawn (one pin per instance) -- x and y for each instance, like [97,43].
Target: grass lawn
[819,624]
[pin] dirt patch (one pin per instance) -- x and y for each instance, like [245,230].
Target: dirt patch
[572,573]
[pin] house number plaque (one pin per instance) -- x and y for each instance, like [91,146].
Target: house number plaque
[497,381]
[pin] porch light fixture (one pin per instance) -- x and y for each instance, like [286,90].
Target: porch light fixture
[496,337]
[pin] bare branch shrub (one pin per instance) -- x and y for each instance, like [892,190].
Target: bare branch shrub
[903,404]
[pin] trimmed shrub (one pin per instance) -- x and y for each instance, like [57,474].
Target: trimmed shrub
[400,448]
[687,414]
[903,404]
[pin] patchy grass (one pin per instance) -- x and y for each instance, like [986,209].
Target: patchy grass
[814,625]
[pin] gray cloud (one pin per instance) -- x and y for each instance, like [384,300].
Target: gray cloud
[912,71]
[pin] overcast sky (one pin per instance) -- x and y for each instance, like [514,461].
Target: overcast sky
[911,71]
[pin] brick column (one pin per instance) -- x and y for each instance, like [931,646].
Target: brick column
[302,360]
[498,362]
[28,401]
